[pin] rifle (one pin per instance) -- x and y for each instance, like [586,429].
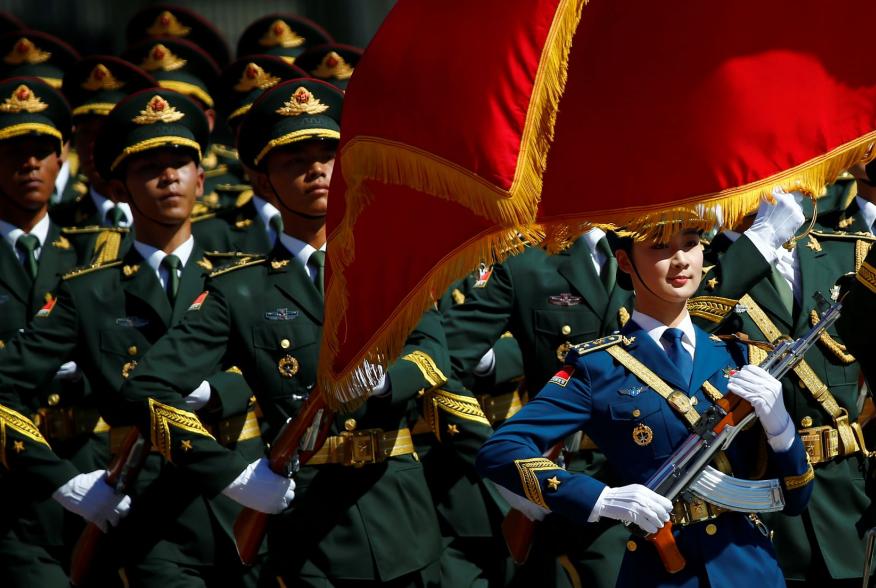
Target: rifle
[121,475]
[687,469]
[296,442]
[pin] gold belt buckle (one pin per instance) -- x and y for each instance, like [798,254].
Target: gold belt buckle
[361,447]
[830,442]
[813,443]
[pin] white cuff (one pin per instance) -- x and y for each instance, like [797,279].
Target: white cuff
[597,508]
[763,243]
[199,397]
[486,365]
[782,442]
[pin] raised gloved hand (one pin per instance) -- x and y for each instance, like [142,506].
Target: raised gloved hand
[259,488]
[775,224]
[199,397]
[764,392]
[633,504]
[89,496]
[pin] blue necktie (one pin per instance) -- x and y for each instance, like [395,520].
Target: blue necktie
[677,353]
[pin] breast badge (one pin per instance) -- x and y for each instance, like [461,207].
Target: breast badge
[287,366]
[643,435]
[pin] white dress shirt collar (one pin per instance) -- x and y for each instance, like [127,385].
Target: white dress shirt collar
[61,182]
[104,205]
[868,211]
[301,251]
[266,212]
[11,233]
[655,330]
[153,257]
[592,237]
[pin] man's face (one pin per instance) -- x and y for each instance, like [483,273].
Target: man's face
[87,129]
[28,168]
[300,175]
[162,185]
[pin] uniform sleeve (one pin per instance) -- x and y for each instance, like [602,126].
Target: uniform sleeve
[175,366]
[424,363]
[794,471]
[859,308]
[230,393]
[514,456]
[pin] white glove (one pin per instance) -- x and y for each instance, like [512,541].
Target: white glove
[89,496]
[68,371]
[259,488]
[198,398]
[764,392]
[373,376]
[633,504]
[776,223]
[487,364]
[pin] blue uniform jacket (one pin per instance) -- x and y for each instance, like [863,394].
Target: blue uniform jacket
[596,394]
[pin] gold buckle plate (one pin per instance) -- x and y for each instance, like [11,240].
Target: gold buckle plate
[361,447]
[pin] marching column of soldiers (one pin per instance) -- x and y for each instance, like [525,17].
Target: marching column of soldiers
[163,223]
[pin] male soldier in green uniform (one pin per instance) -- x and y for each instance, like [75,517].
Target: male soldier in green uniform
[107,315]
[362,514]
[824,544]
[34,124]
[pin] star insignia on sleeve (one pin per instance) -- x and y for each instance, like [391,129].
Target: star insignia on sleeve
[712,283]
[554,483]
[452,429]
[18,446]
[186,445]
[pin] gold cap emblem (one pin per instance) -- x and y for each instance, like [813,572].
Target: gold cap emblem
[162,58]
[26,52]
[302,102]
[23,99]
[158,110]
[101,78]
[333,66]
[255,77]
[279,34]
[167,23]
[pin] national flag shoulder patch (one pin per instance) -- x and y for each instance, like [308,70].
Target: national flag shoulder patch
[46,310]
[196,305]
[562,377]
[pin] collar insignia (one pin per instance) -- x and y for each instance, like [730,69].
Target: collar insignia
[162,58]
[255,77]
[101,78]
[26,52]
[61,243]
[205,263]
[130,270]
[158,110]
[627,341]
[565,299]
[279,263]
[281,35]
[23,99]
[167,23]
[813,244]
[846,222]
[281,314]
[333,66]
[302,102]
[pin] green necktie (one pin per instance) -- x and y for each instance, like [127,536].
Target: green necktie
[317,261]
[115,216]
[27,245]
[608,274]
[276,224]
[786,295]
[172,263]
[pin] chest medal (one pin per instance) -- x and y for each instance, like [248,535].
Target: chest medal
[643,435]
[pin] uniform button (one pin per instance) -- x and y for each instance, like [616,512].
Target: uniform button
[566,330]
[806,421]
[631,546]
[693,400]
[53,399]
[285,343]
[350,424]
[132,350]
[637,413]
[711,529]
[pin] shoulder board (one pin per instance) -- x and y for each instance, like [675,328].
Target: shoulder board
[81,271]
[856,236]
[233,187]
[199,216]
[596,344]
[711,308]
[219,170]
[243,198]
[243,262]
[93,229]
[224,151]
[232,254]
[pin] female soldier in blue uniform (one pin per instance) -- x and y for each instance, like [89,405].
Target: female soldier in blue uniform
[638,429]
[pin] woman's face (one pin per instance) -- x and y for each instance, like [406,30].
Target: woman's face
[669,272]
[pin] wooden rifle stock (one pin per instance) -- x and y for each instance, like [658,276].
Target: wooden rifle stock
[121,474]
[518,529]
[250,525]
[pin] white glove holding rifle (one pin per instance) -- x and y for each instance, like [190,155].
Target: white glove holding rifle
[634,504]
[259,488]
[764,393]
[89,496]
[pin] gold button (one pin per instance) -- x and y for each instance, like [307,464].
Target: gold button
[53,399]
[637,412]
[350,424]
[631,546]
[806,421]
[132,350]
[566,329]
[285,343]
[416,456]
[711,529]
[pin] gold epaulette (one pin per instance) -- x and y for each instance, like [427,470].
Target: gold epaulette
[231,254]
[596,344]
[93,229]
[243,198]
[202,215]
[711,308]
[857,235]
[87,269]
[241,263]
[224,151]
[216,171]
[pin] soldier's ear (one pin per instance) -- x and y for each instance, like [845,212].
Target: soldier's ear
[624,263]
[199,188]
[262,184]
[117,191]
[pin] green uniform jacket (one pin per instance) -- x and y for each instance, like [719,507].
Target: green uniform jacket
[837,515]
[370,523]
[105,318]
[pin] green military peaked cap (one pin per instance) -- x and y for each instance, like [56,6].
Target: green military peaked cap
[30,106]
[167,20]
[332,62]
[296,110]
[150,119]
[34,53]
[242,82]
[95,84]
[283,35]
[177,65]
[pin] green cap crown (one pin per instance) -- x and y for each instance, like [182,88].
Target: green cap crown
[30,106]
[150,119]
[296,110]
[332,62]
[283,35]
[95,84]
[34,53]
[177,65]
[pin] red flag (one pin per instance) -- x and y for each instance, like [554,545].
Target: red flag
[469,124]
